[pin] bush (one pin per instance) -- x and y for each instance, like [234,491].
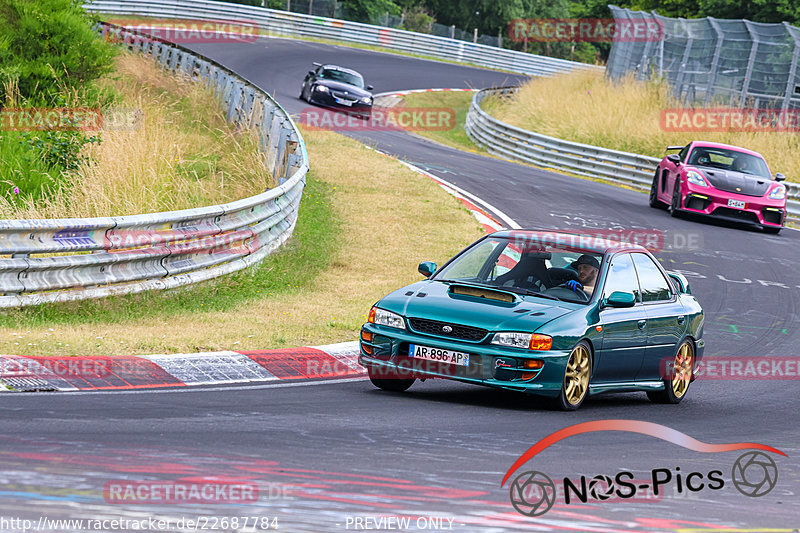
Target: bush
[47,47]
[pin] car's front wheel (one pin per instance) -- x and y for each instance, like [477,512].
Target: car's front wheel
[675,205]
[678,377]
[575,385]
[654,201]
[389,380]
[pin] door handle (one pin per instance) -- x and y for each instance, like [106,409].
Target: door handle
[642,324]
[681,320]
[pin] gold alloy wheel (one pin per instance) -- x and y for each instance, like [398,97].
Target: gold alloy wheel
[576,377]
[682,370]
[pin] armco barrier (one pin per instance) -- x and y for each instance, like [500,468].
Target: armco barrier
[277,22]
[515,143]
[70,259]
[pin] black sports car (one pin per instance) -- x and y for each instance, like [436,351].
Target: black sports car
[339,88]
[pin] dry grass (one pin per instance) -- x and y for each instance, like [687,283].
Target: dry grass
[183,155]
[585,107]
[391,219]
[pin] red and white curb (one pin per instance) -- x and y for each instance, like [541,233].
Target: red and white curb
[46,373]
[391,99]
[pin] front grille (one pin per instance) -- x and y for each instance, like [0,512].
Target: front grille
[746,216]
[342,96]
[433,327]
[695,202]
[773,217]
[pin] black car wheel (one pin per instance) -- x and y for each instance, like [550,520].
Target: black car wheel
[678,376]
[575,386]
[654,201]
[389,380]
[675,205]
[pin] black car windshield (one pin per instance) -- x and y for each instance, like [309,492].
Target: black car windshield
[724,159]
[526,266]
[342,76]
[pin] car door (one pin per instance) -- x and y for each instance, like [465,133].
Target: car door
[666,317]
[622,348]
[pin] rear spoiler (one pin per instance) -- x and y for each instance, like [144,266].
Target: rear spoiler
[675,148]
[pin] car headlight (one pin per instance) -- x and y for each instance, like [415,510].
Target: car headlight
[778,193]
[386,318]
[321,88]
[696,178]
[366,100]
[516,339]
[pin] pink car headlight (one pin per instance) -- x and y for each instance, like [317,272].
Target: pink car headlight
[778,193]
[695,178]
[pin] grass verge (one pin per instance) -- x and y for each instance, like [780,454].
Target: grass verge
[365,223]
[172,150]
[586,107]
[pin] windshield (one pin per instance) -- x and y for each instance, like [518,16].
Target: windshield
[526,268]
[723,159]
[344,77]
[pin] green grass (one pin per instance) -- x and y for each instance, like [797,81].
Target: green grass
[458,101]
[289,270]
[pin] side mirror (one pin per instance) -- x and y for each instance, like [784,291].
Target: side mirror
[370,87]
[674,158]
[427,268]
[310,72]
[620,299]
[681,282]
[779,177]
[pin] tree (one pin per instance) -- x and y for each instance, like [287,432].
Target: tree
[48,46]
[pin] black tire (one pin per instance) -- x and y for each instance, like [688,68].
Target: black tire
[568,399]
[677,382]
[303,93]
[387,382]
[772,229]
[675,205]
[654,201]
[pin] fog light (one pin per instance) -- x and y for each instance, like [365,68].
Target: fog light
[531,364]
[367,348]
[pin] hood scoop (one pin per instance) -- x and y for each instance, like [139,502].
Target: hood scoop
[483,292]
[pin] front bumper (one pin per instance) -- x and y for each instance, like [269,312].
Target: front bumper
[713,202]
[489,365]
[327,100]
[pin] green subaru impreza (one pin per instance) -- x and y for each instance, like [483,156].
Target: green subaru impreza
[558,315]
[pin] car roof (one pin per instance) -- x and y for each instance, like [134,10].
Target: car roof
[709,144]
[597,241]
[342,69]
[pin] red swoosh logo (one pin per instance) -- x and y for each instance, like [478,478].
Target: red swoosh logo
[634,426]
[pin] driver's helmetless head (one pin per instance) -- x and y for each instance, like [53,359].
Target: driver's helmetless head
[588,268]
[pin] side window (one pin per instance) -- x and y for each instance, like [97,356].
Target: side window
[621,277]
[655,286]
[683,153]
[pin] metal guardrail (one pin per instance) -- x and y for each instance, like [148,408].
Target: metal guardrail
[71,259]
[518,144]
[276,22]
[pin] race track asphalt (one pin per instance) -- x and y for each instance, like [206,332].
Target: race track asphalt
[339,451]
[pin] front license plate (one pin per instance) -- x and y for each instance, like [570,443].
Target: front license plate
[438,355]
[738,204]
[343,102]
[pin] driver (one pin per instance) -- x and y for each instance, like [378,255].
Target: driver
[587,267]
[740,165]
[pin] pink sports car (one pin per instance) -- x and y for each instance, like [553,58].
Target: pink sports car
[720,180]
